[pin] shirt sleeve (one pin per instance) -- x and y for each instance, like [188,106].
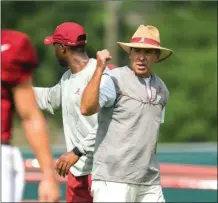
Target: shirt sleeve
[48,98]
[16,74]
[87,144]
[162,115]
[107,93]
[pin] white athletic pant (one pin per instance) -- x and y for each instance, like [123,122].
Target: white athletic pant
[12,174]
[121,192]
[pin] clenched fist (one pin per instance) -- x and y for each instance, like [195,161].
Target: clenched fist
[102,57]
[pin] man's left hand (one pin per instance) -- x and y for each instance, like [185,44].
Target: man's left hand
[64,163]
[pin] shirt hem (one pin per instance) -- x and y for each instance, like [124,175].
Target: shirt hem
[78,174]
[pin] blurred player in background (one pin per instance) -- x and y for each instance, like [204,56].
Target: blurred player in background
[69,41]
[18,61]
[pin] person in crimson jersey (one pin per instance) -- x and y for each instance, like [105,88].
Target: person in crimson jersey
[18,61]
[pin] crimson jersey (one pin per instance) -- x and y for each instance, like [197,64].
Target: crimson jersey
[18,60]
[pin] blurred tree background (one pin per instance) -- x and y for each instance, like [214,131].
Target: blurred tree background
[189,28]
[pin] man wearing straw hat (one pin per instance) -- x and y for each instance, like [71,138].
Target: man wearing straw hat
[125,168]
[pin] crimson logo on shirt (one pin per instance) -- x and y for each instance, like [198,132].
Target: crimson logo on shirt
[77,92]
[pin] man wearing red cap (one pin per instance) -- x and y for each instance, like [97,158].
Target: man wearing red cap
[18,61]
[69,40]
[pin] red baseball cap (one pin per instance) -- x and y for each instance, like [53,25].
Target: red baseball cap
[68,34]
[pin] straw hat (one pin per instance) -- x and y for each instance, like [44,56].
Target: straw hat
[146,37]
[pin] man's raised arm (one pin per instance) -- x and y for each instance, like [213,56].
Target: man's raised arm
[90,99]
